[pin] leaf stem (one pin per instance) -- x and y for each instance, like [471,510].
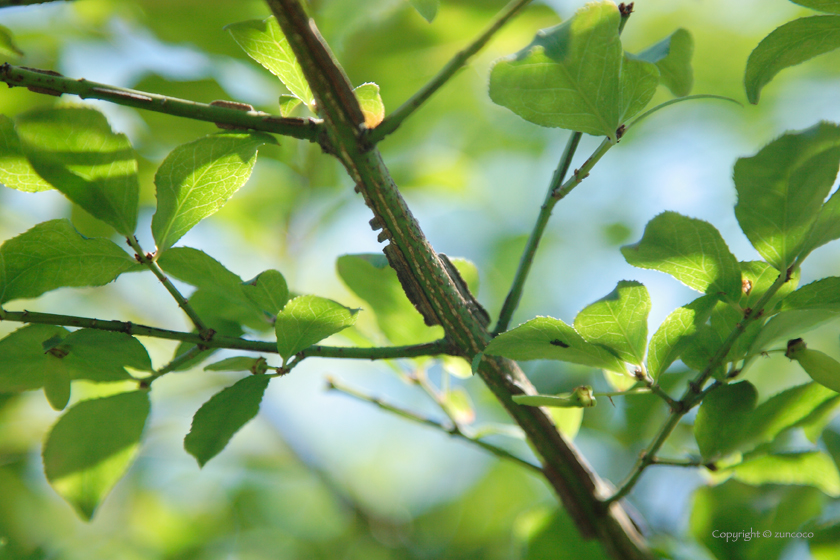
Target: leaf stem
[676,462]
[395,119]
[52,83]
[695,392]
[453,430]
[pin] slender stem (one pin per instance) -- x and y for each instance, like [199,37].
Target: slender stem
[637,391]
[150,263]
[695,392]
[435,348]
[395,119]
[676,462]
[14,3]
[452,430]
[177,362]
[660,392]
[51,83]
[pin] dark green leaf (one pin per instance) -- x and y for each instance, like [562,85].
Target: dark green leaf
[672,56]
[426,8]
[239,363]
[791,44]
[827,6]
[576,76]
[307,320]
[263,41]
[197,179]
[690,250]
[782,188]
[103,355]
[618,321]
[701,349]
[675,333]
[15,170]
[23,358]
[827,226]
[223,415]
[811,468]
[547,532]
[268,291]
[92,445]
[56,382]
[75,150]
[721,426]
[546,338]
[53,255]
[370,277]
[7,43]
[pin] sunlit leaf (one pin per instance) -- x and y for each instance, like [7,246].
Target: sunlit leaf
[618,321]
[827,226]
[789,45]
[790,324]
[426,8]
[546,338]
[263,41]
[223,415]
[15,170]
[75,150]
[268,291]
[576,76]
[672,55]
[690,250]
[288,103]
[239,363]
[782,188]
[675,332]
[371,103]
[53,255]
[197,179]
[567,420]
[92,445]
[810,468]
[823,295]
[827,6]
[309,319]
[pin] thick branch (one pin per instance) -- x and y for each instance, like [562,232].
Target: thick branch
[52,83]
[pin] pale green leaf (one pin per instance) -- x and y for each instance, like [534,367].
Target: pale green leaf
[546,338]
[7,43]
[197,179]
[790,324]
[672,55]
[575,76]
[810,468]
[288,103]
[690,250]
[75,150]
[92,445]
[239,363]
[823,295]
[15,170]
[723,419]
[53,255]
[618,321]
[23,358]
[468,272]
[827,6]
[458,405]
[263,41]
[791,44]
[426,8]
[567,420]
[268,291]
[223,415]
[370,277]
[675,333]
[371,104]
[307,320]
[782,188]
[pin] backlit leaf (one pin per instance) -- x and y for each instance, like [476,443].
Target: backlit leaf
[426,8]
[672,55]
[92,445]
[307,320]
[675,332]
[371,103]
[721,426]
[15,170]
[810,468]
[239,363]
[23,358]
[827,226]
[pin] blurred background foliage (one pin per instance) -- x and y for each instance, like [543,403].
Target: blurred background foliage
[318,475]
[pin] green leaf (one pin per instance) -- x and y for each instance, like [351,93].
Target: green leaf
[810,468]
[92,445]
[7,43]
[15,170]
[426,8]
[263,41]
[103,355]
[223,415]
[690,250]
[782,188]
[546,338]
[56,383]
[371,278]
[567,420]
[459,406]
[371,103]
[199,269]
[307,320]
[790,324]
[722,421]
[288,103]
[239,363]
[547,532]
[618,321]
[675,333]
[827,6]
[757,277]
[197,179]
[823,295]
[268,291]
[576,76]
[53,255]
[672,55]
[23,358]
[75,150]
[791,44]
[827,226]
[468,272]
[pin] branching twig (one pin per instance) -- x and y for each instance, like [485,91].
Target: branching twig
[453,430]
[51,83]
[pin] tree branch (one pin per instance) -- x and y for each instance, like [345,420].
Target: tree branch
[52,83]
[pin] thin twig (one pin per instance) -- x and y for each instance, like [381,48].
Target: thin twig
[395,119]
[52,83]
[676,462]
[454,430]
